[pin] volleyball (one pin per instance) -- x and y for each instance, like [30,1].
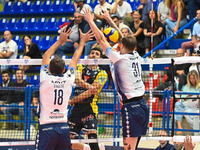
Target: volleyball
[111,35]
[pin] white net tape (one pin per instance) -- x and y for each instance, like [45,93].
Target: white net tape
[195,139]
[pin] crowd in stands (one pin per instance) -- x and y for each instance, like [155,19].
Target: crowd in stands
[167,20]
[188,144]
[14,98]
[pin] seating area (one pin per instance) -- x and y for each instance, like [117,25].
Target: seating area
[32,25]
[36,8]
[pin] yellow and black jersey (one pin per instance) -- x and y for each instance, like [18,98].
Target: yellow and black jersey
[90,76]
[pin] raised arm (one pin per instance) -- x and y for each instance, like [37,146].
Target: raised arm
[98,34]
[84,38]
[63,38]
[92,91]
[106,16]
[97,86]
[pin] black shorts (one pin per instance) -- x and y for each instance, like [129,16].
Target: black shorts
[82,118]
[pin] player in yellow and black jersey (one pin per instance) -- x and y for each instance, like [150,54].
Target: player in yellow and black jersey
[90,79]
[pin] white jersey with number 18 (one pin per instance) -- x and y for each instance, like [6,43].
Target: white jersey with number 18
[55,91]
[126,73]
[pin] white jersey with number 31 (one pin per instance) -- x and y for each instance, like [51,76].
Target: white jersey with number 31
[55,91]
[126,73]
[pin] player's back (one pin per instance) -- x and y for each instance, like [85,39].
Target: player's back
[127,75]
[55,91]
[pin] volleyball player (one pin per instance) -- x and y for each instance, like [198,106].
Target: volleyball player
[84,113]
[55,90]
[126,73]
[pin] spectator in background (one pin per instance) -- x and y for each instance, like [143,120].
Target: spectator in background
[186,145]
[89,44]
[125,31]
[8,49]
[179,146]
[120,25]
[195,66]
[157,31]
[164,145]
[121,9]
[193,6]
[193,85]
[145,7]
[5,95]
[80,5]
[137,26]
[163,12]
[196,35]
[18,98]
[100,8]
[31,51]
[177,16]
[180,75]
[74,38]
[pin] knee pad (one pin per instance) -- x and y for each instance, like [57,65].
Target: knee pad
[93,146]
[92,136]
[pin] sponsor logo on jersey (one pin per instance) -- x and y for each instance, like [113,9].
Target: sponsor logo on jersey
[46,129]
[86,78]
[55,111]
[90,117]
[101,79]
[72,71]
[59,82]
[56,114]
[133,58]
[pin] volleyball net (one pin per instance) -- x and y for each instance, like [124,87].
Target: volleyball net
[20,122]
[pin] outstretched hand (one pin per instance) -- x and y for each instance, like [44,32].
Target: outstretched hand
[88,16]
[86,36]
[64,35]
[105,14]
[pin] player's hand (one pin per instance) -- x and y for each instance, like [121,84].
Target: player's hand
[64,35]
[188,143]
[86,36]
[88,16]
[93,91]
[105,14]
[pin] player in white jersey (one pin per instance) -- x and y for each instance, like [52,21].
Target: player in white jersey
[55,90]
[126,72]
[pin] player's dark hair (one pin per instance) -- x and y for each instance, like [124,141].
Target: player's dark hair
[57,65]
[97,49]
[129,42]
[5,72]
